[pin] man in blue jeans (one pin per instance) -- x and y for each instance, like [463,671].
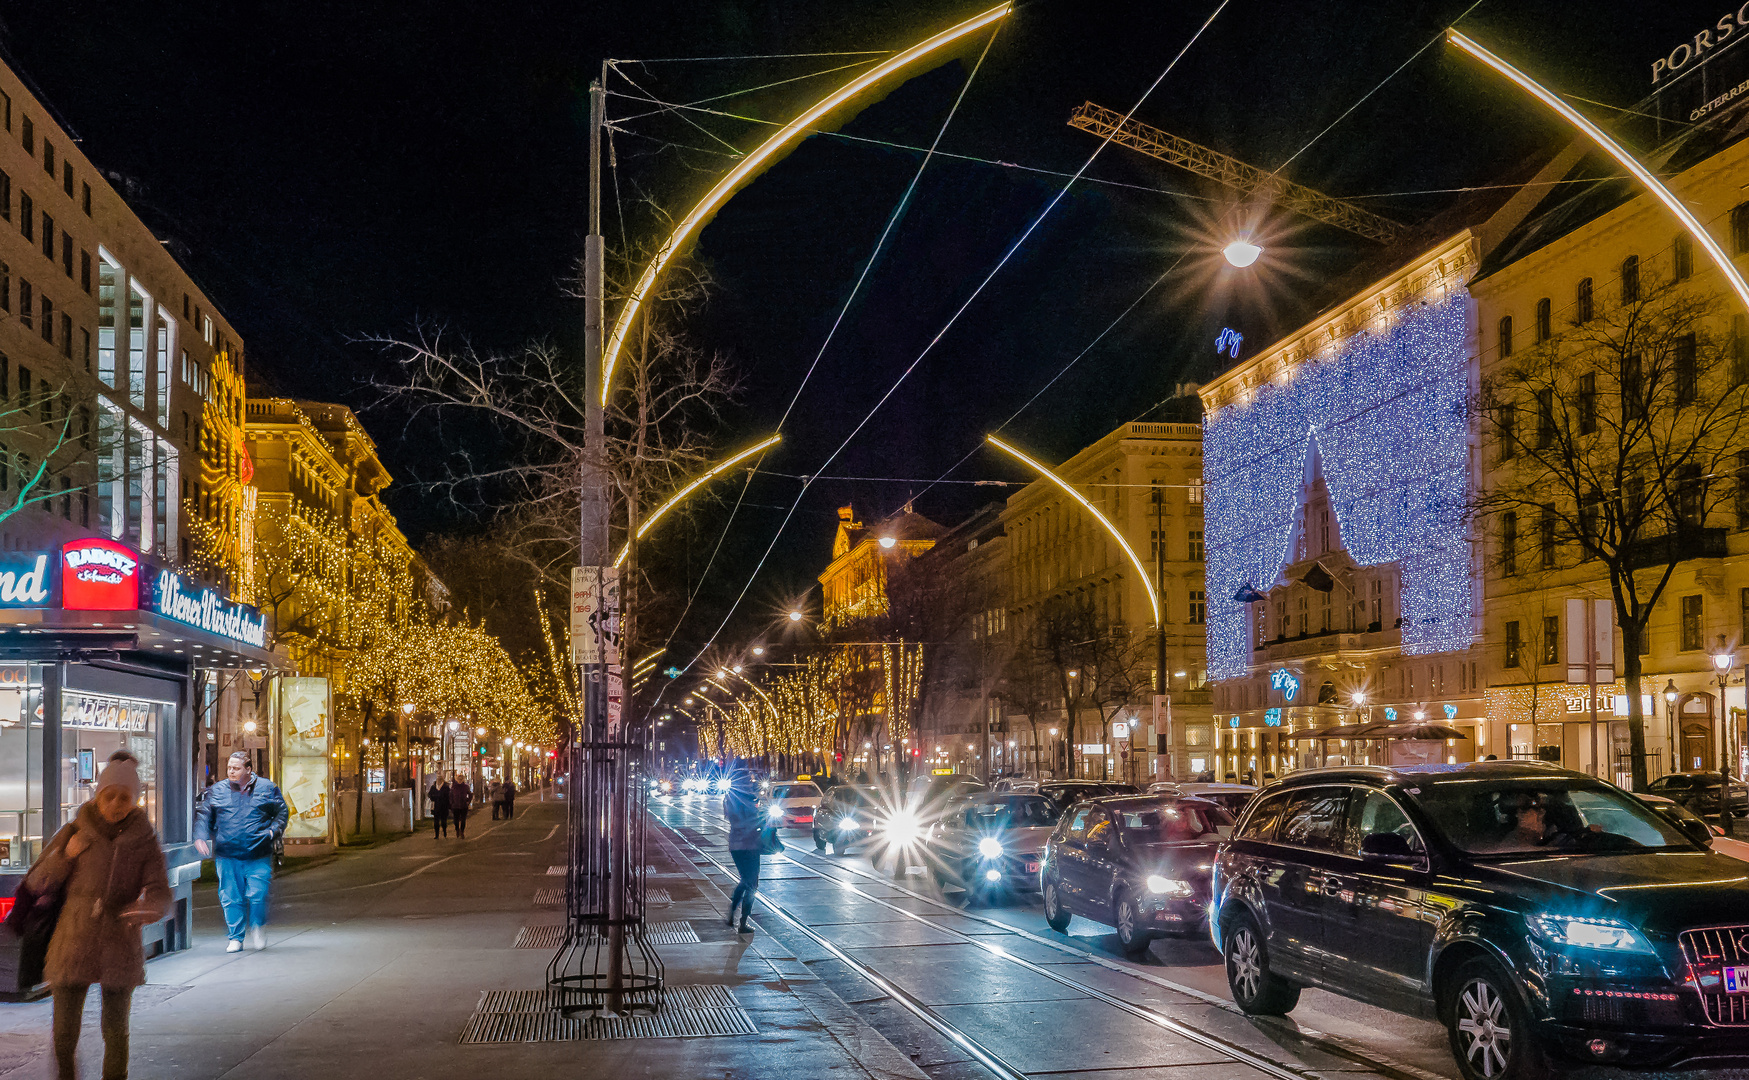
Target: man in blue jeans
[236,823]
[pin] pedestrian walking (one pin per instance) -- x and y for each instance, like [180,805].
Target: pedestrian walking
[495,793]
[237,825]
[438,797]
[108,867]
[509,795]
[746,839]
[461,797]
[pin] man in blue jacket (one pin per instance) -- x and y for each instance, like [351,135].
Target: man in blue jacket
[237,823]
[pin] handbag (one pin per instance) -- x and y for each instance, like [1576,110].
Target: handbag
[33,918]
[770,843]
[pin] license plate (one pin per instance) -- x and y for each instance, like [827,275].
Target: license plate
[1737,980]
[1032,868]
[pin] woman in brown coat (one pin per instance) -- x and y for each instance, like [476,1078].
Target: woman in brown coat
[107,864]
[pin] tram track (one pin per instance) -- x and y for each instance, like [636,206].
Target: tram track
[991,1060]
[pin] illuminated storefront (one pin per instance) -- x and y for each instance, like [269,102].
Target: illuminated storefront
[98,648]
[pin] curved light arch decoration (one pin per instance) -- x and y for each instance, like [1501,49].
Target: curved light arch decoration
[1616,151]
[1141,571]
[680,496]
[766,154]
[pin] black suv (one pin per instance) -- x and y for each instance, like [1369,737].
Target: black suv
[1542,915]
[847,815]
[1139,863]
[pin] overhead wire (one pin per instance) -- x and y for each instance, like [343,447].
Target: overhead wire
[748,90]
[880,245]
[972,298]
[752,56]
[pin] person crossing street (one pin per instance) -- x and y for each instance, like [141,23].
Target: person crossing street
[237,824]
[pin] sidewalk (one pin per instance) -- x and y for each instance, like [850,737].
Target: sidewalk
[377,961]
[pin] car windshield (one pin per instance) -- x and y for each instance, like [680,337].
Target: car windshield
[1543,816]
[1016,812]
[1172,822]
[794,791]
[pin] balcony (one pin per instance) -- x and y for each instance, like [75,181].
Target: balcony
[1675,547]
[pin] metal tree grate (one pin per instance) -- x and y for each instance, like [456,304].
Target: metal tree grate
[540,937]
[555,871]
[669,933]
[517,1016]
[653,895]
[549,897]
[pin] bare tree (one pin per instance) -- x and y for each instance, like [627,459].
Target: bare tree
[1617,441]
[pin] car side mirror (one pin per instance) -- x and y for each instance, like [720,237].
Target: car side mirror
[1697,830]
[1387,848]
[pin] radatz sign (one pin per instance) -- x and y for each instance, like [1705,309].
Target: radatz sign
[99,575]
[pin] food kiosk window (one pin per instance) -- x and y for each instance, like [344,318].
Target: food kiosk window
[21,755]
[94,726]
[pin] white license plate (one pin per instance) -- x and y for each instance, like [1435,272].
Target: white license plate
[1032,868]
[1737,980]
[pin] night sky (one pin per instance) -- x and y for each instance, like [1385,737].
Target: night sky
[333,172]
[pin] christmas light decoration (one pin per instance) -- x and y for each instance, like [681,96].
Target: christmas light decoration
[1386,412]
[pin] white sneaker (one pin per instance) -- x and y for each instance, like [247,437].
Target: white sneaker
[256,937]
[233,946]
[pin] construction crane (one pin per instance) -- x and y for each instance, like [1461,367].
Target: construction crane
[1224,169]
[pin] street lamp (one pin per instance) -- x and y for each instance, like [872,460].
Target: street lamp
[1723,661]
[1241,252]
[795,616]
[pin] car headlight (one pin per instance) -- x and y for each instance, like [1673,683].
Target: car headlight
[1608,935]
[1165,886]
[847,823]
[990,848]
[902,829]
[775,812]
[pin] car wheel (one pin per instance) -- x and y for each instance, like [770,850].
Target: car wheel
[1130,934]
[1257,990]
[1490,1028]
[1056,915]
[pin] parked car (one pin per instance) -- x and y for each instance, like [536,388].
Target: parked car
[1546,918]
[992,844]
[1066,793]
[793,802]
[1138,863]
[848,815]
[1691,823]
[1231,797]
[1699,790]
[1015,784]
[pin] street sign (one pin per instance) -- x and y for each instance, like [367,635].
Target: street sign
[594,614]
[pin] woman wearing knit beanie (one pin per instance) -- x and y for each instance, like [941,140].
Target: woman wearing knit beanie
[107,864]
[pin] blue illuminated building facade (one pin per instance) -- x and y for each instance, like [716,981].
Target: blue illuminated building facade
[1342,579]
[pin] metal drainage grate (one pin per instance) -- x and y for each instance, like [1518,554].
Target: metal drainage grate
[669,933]
[549,898]
[513,1016]
[540,937]
[651,896]
[555,871]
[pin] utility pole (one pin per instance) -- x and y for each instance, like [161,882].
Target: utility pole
[1161,686]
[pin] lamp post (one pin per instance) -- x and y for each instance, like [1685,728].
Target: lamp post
[1670,694]
[1723,660]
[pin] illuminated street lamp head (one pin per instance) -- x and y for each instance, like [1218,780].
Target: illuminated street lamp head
[454,724]
[479,731]
[737,669]
[795,616]
[1241,252]
[1360,697]
[758,650]
[1670,691]
[887,541]
[1724,658]
[408,708]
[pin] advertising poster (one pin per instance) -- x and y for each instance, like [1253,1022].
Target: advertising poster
[306,735]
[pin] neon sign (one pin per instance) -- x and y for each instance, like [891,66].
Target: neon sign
[1272,718]
[1234,722]
[1451,712]
[1390,716]
[24,579]
[99,575]
[1285,681]
[1229,342]
[204,609]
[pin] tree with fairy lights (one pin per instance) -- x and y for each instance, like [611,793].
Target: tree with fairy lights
[1618,441]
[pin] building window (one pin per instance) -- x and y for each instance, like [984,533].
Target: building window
[1509,543]
[26,302]
[1740,229]
[1544,321]
[1508,424]
[1545,418]
[1546,537]
[85,197]
[1199,606]
[6,108]
[108,281]
[85,348]
[1691,624]
[48,323]
[85,270]
[5,196]
[1196,545]
[67,178]
[1630,280]
[1582,302]
[26,216]
[1587,403]
[1196,491]
[1551,639]
[1682,257]
[1743,614]
[1513,645]
[1503,336]
[28,137]
[5,287]
[1742,491]
[48,157]
[1633,392]
[1687,379]
[66,335]
[1690,497]
[48,237]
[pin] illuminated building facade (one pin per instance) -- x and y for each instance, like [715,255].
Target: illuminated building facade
[1585,250]
[1146,478]
[1339,560]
